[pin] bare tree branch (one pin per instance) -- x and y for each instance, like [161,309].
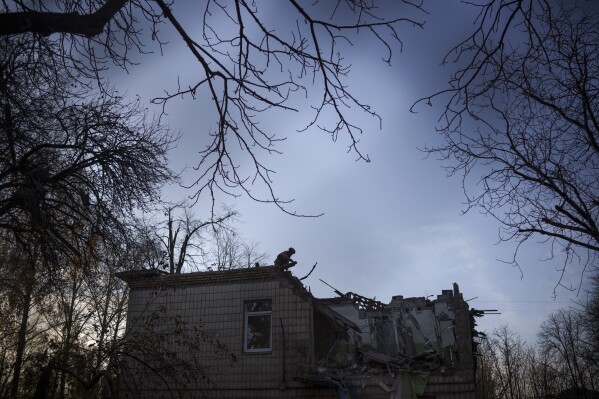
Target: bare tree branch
[46,23]
[520,120]
[249,68]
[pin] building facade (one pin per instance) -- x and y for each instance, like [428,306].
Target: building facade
[258,333]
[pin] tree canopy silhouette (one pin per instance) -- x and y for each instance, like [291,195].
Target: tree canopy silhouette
[521,121]
[248,63]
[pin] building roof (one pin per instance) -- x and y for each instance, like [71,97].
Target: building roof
[154,277]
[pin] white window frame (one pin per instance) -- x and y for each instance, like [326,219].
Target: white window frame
[246,315]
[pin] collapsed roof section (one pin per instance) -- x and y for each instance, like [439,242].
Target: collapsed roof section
[410,334]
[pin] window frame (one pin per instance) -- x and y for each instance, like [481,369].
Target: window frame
[246,315]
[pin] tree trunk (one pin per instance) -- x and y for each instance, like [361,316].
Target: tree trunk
[22,339]
[68,333]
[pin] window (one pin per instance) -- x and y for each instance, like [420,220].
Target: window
[258,326]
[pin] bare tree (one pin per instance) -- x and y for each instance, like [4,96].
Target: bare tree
[21,290]
[228,250]
[521,120]
[509,368]
[70,340]
[487,383]
[543,374]
[182,240]
[73,161]
[563,333]
[183,243]
[247,64]
[508,360]
[75,167]
[590,320]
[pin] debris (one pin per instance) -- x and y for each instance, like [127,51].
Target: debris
[311,270]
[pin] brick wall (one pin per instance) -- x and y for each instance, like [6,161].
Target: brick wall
[215,302]
[463,332]
[219,310]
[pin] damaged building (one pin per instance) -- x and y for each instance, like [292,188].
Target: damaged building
[280,341]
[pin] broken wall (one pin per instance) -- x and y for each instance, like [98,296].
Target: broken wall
[436,332]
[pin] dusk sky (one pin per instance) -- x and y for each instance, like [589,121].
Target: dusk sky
[394,226]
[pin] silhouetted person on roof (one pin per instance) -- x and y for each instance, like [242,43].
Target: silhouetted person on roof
[284,259]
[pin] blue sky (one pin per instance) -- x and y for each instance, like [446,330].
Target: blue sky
[394,226]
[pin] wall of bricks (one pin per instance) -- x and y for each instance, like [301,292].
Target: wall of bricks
[219,310]
[464,337]
[215,302]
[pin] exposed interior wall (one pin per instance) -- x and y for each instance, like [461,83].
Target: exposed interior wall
[436,331]
[333,344]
